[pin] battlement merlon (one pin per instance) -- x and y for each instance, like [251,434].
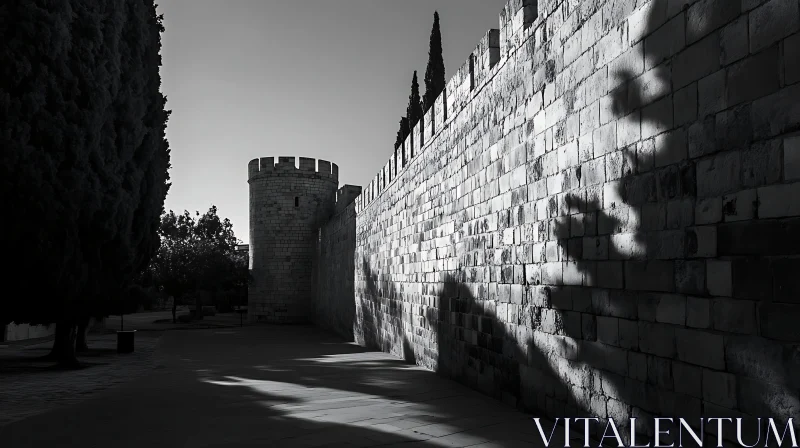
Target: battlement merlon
[485,56]
[288,165]
[515,18]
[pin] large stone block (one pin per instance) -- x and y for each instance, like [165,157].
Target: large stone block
[700,348]
[696,61]
[791,48]
[779,321]
[719,175]
[779,201]
[690,276]
[777,113]
[687,379]
[698,312]
[773,21]
[657,339]
[608,330]
[651,275]
[759,237]
[705,16]
[753,77]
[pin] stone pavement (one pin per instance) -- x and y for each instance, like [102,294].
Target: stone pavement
[277,386]
[32,387]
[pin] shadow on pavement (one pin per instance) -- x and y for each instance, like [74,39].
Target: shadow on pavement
[30,360]
[282,386]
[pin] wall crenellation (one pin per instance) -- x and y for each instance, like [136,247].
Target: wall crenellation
[516,20]
[289,201]
[290,166]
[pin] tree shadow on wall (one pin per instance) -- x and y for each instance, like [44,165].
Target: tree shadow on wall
[651,210]
[459,338]
[541,359]
[462,338]
[468,343]
[379,318]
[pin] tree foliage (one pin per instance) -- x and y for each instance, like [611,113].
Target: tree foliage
[84,166]
[402,133]
[197,254]
[434,73]
[414,109]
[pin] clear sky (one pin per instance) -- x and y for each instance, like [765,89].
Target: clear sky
[325,79]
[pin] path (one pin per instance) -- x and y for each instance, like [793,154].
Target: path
[32,387]
[277,386]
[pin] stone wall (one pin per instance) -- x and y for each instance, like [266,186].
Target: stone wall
[20,332]
[334,305]
[288,203]
[600,214]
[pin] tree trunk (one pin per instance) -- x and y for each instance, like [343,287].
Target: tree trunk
[66,357]
[63,351]
[58,342]
[174,310]
[56,346]
[80,339]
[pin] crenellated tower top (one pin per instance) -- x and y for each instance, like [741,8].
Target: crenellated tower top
[288,166]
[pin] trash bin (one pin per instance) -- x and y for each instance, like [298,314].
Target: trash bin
[125,341]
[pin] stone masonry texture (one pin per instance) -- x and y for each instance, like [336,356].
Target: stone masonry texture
[288,203]
[598,217]
[335,307]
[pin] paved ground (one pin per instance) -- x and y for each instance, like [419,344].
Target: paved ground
[276,386]
[31,387]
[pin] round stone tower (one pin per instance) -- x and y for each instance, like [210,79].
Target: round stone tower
[287,206]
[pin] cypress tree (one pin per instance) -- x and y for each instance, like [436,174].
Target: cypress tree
[434,73]
[402,133]
[84,161]
[405,128]
[398,140]
[414,110]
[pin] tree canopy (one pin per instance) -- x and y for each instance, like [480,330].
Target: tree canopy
[402,133]
[434,73]
[197,254]
[84,166]
[414,109]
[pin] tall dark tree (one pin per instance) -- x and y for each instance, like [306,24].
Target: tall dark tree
[414,109]
[434,73]
[84,161]
[402,133]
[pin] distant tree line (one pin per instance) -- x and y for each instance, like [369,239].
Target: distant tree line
[198,257]
[84,161]
[434,85]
